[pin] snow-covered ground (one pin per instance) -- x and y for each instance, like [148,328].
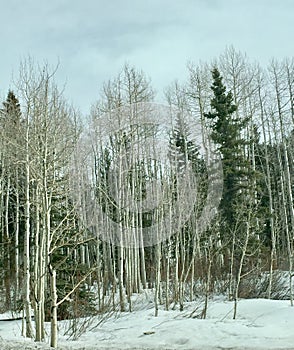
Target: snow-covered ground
[260,324]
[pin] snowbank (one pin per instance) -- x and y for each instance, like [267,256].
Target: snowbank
[261,324]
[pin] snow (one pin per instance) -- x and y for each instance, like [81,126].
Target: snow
[260,324]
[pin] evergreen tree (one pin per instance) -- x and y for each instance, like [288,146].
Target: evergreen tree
[11,109]
[185,153]
[226,128]
[11,172]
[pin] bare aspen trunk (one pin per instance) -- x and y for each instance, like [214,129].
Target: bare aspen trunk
[239,275]
[231,277]
[121,279]
[7,267]
[176,281]
[16,247]
[269,189]
[36,303]
[128,272]
[142,265]
[183,261]
[291,209]
[192,280]
[157,280]
[40,272]
[288,227]
[289,66]
[207,287]
[53,292]
[167,285]
[27,278]
[285,169]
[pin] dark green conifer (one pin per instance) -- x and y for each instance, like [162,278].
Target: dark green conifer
[226,128]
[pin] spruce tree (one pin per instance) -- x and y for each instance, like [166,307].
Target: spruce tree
[11,106]
[226,128]
[11,176]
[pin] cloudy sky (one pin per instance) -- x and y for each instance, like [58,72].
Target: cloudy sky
[92,39]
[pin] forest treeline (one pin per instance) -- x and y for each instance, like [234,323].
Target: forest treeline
[72,229]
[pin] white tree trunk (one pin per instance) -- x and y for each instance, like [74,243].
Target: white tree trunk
[27,279]
[53,290]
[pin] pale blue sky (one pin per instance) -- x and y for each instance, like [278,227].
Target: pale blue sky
[93,39]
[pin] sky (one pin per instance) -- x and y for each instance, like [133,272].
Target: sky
[92,39]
